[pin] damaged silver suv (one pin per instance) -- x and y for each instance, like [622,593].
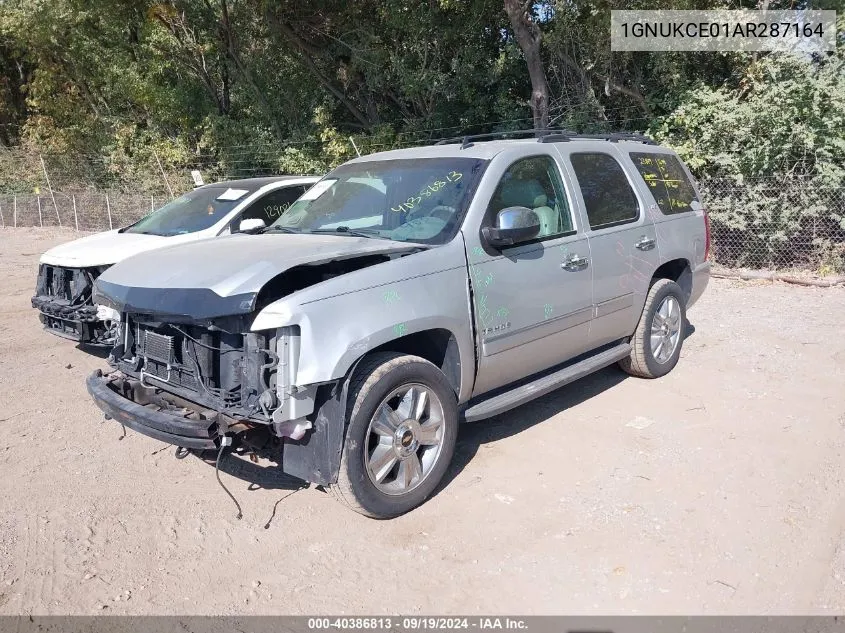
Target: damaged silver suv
[404,292]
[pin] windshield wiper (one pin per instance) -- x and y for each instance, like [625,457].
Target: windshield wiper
[345,230]
[273,228]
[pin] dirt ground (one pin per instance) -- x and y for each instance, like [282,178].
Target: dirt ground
[717,489]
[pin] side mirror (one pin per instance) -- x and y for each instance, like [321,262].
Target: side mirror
[250,225]
[513,225]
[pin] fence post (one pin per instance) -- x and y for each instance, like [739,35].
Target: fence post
[161,169]
[75,217]
[152,205]
[2,219]
[47,178]
[108,210]
[40,219]
[15,210]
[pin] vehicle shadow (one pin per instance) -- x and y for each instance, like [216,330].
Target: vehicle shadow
[264,473]
[94,350]
[472,435]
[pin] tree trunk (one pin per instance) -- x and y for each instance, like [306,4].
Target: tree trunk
[225,90]
[588,76]
[307,53]
[228,40]
[529,37]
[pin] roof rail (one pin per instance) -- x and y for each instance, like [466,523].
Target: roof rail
[468,140]
[613,137]
[547,136]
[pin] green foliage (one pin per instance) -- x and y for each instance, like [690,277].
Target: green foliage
[780,134]
[206,80]
[111,93]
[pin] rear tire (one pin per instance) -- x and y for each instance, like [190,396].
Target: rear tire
[657,341]
[401,435]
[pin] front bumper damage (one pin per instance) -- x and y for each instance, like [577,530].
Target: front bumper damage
[64,302]
[315,457]
[147,410]
[75,322]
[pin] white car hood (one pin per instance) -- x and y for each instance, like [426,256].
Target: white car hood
[104,249]
[222,276]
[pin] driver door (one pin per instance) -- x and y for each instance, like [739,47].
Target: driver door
[533,300]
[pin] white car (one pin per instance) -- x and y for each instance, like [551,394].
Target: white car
[67,272]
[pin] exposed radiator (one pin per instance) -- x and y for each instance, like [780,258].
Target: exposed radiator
[159,347]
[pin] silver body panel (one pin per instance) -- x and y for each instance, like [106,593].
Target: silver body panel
[545,309]
[343,318]
[239,263]
[621,272]
[512,313]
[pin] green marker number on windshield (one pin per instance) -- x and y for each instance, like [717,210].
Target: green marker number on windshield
[437,185]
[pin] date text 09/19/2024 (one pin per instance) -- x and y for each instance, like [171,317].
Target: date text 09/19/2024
[416,623]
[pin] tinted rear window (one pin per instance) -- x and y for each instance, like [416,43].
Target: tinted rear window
[667,180]
[607,194]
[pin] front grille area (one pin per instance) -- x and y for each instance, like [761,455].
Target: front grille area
[174,358]
[65,292]
[178,376]
[60,283]
[63,297]
[201,364]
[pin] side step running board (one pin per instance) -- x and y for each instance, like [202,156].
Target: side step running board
[527,392]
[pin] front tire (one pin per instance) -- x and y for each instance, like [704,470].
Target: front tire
[401,435]
[657,341]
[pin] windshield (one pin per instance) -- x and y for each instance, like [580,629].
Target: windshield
[194,211]
[408,200]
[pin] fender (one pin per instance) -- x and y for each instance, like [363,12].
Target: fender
[342,319]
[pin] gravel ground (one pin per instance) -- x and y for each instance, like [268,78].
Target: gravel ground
[717,489]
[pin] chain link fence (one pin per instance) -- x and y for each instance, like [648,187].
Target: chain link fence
[81,211]
[791,224]
[777,224]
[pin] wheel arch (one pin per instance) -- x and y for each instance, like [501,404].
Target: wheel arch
[316,458]
[435,343]
[678,270]
[439,346]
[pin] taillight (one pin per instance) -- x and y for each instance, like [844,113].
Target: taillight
[706,236]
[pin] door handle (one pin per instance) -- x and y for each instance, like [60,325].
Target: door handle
[574,263]
[645,243]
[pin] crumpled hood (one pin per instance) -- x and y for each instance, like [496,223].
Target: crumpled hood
[222,276]
[101,249]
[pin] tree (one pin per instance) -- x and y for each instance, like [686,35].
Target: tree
[529,36]
[13,76]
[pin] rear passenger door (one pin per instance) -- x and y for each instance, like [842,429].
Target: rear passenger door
[622,238]
[674,206]
[533,300]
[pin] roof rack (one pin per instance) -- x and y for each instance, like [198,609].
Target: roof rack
[466,141]
[614,137]
[547,136]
